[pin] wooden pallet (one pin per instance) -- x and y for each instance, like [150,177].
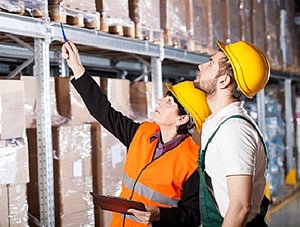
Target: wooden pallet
[22,10]
[146,33]
[80,20]
[125,28]
[203,50]
[177,41]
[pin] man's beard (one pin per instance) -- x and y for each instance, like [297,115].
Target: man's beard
[208,87]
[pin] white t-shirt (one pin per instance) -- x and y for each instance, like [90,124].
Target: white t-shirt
[235,149]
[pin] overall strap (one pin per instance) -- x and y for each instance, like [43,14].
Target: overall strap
[202,162]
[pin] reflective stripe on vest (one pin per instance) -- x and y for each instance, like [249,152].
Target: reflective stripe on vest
[147,192]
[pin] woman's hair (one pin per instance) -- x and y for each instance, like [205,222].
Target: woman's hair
[226,68]
[182,129]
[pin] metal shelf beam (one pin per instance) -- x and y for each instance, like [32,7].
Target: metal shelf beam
[20,25]
[36,28]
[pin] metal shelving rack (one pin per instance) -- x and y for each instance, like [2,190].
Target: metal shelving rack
[44,32]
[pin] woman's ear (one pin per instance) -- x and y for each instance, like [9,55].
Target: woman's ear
[182,120]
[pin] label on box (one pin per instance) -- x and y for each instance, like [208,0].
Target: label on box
[77,168]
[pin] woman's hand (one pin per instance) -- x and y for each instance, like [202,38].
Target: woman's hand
[147,217]
[70,53]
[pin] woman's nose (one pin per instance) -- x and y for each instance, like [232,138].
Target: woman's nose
[158,102]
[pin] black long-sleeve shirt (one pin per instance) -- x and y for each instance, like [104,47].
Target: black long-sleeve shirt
[187,213]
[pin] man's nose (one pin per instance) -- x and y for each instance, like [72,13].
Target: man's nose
[200,67]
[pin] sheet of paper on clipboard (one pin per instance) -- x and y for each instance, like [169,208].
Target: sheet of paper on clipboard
[117,204]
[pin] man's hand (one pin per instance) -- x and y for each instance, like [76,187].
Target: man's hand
[147,217]
[70,53]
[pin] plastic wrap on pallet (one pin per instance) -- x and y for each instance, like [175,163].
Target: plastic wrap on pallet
[77,6]
[79,111]
[72,175]
[113,14]
[17,205]
[219,21]
[146,17]
[258,23]
[35,8]
[245,8]
[288,38]
[12,115]
[201,13]
[13,161]
[275,134]
[174,23]
[113,152]
[30,103]
[14,205]
[75,12]
[233,20]
[12,6]
[4,206]
[118,11]
[272,33]
[142,101]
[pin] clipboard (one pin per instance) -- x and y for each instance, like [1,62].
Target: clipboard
[117,204]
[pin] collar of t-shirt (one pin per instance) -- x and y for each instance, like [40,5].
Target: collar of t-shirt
[211,123]
[161,147]
[233,107]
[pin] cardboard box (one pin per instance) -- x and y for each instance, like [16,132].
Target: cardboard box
[14,205]
[258,24]
[14,162]
[272,34]
[146,17]
[12,115]
[31,99]
[114,18]
[72,175]
[4,206]
[173,17]
[18,205]
[142,101]
[201,26]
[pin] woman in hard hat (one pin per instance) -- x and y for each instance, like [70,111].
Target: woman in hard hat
[161,163]
[233,160]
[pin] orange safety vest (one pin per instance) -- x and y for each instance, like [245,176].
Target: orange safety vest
[156,182]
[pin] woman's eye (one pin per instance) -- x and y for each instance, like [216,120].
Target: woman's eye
[169,101]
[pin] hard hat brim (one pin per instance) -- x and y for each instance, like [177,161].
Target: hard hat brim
[221,46]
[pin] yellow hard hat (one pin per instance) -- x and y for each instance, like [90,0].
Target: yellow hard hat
[193,100]
[251,67]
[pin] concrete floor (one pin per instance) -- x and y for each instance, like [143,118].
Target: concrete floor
[286,214]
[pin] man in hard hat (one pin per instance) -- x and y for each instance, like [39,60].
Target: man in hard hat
[233,160]
[161,163]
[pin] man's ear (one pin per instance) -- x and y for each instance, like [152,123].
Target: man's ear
[225,81]
[182,120]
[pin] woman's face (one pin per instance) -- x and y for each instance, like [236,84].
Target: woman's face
[166,112]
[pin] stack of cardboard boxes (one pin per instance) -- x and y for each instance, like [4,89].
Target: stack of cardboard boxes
[14,169]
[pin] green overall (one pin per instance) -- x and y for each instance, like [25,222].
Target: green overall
[210,216]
